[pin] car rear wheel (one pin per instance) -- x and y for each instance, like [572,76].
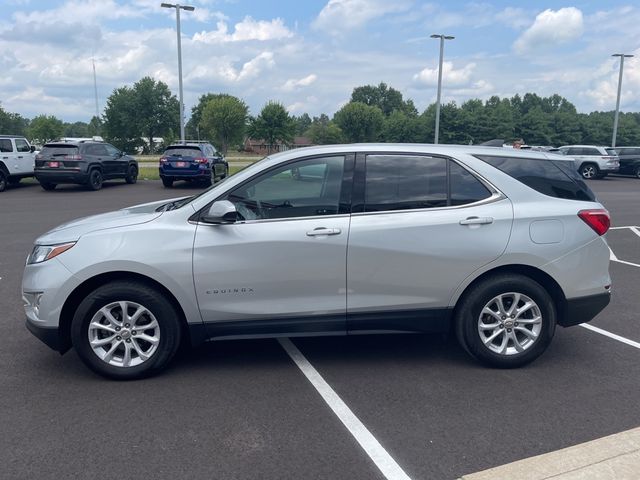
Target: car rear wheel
[126,330]
[48,186]
[589,171]
[132,175]
[167,182]
[506,321]
[3,181]
[95,179]
[636,172]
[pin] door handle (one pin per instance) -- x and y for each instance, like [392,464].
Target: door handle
[476,221]
[20,156]
[316,232]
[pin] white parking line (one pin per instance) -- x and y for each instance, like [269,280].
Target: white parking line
[385,463]
[610,335]
[613,258]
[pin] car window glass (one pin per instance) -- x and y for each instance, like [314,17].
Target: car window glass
[465,188]
[5,145]
[301,189]
[183,152]
[22,145]
[401,182]
[550,177]
[111,150]
[574,151]
[591,151]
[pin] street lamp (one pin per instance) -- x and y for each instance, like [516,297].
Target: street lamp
[615,119]
[442,39]
[188,8]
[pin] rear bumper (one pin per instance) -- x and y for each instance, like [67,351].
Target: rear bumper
[185,173]
[61,176]
[584,309]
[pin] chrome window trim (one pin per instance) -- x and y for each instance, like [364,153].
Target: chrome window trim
[271,220]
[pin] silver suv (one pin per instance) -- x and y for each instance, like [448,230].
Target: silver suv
[498,245]
[592,161]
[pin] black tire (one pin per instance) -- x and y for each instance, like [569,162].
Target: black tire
[161,308]
[132,175]
[208,181]
[589,171]
[3,181]
[95,180]
[636,171]
[167,182]
[226,173]
[48,186]
[13,181]
[468,315]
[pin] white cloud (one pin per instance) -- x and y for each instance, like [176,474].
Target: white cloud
[247,29]
[428,77]
[337,16]
[293,84]
[550,28]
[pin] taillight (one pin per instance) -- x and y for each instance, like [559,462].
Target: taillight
[39,157]
[164,159]
[201,160]
[598,219]
[73,157]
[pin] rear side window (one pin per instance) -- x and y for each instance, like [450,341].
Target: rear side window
[5,145]
[611,151]
[183,152]
[404,182]
[555,178]
[591,151]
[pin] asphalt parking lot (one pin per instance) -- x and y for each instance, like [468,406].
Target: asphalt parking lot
[244,410]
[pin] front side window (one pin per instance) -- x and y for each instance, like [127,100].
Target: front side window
[5,145]
[302,189]
[22,145]
[111,150]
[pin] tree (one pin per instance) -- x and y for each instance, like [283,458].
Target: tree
[402,128]
[76,129]
[148,109]
[386,98]
[94,127]
[12,123]
[193,125]
[360,122]
[273,125]
[45,128]
[303,122]
[324,132]
[224,120]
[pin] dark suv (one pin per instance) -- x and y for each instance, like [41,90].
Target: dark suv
[192,161]
[84,162]
[629,161]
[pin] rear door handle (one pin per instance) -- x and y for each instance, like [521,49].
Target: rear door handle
[476,221]
[316,232]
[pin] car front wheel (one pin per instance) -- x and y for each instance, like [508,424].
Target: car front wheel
[506,321]
[636,172]
[125,330]
[3,181]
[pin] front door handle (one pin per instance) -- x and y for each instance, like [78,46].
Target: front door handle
[476,221]
[316,232]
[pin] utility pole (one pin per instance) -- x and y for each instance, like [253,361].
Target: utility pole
[615,118]
[442,38]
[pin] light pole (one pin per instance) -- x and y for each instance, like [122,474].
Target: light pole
[615,118]
[442,39]
[188,8]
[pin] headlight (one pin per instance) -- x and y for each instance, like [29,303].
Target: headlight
[42,253]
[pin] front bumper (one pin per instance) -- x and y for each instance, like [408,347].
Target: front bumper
[50,336]
[584,309]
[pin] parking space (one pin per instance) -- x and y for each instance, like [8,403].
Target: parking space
[244,409]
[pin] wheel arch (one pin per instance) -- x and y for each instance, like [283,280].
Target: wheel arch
[544,279]
[81,291]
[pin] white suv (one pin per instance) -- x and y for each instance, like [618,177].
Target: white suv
[592,161]
[497,245]
[17,159]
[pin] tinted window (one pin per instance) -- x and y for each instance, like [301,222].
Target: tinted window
[611,151]
[98,150]
[572,151]
[591,151]
[553,178]
[5,145]
[111,150]
[394,182]
[183,152]
[22,145]
[465,188]
[301,189]
[59,150]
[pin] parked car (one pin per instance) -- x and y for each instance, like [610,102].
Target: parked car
[86,162]
[192,161]
[592,161]
[490,243]
[16,160]
[629,160]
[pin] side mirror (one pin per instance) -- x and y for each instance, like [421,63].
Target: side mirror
[32,149]
[222,211]
[122,154]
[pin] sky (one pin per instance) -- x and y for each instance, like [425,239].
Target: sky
[310,54]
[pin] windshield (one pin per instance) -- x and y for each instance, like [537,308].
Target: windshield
[184,201]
